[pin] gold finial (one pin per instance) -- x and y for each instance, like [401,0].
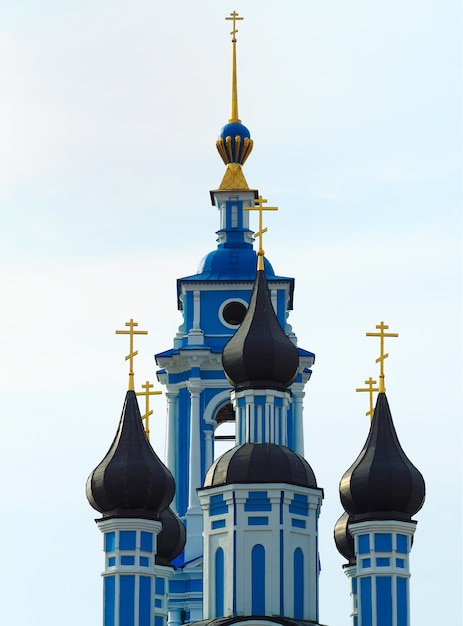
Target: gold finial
[260,207]
[147,393]
[370,382]
[131,332]
[381,327]
[234,103]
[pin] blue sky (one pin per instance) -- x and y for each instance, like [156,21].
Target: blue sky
[109,113]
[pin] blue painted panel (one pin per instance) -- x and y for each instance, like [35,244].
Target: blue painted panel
[146,541]
[383,601]
[282,565]
[298,584]
[111,561]
[258,579]
[217,505]
[257,501]
[144,561]
[366,562]
[383,542]
[354,586]
[219,583]
[127,600]
[178,586]
[365,602]
[158,604]
[213,375]
[364,544]
[402,544]
[234,566]
[127,560]
[109,600]
[257,521]
[110,542]
[299,505]
[127,539]
[402,601]
[160,586]
[220,523]
[158,621]
[383,562]
[400,563]
[145,601]
[196,585]
[298,523]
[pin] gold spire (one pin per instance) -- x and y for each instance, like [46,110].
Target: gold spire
[260,207]
[381,327]
[147,393]
[370,382]
[131,332]
[234,101]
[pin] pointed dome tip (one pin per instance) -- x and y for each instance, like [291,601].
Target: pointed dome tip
[131,481]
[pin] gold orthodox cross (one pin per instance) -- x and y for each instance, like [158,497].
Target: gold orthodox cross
[147,393]
[131,332]
[235,18]
[381,327]
[260,207]
[370,382]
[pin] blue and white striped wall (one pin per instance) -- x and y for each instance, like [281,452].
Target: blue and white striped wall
[380,583]
[134,587]
[261,550]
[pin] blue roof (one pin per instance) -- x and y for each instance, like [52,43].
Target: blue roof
[232,264]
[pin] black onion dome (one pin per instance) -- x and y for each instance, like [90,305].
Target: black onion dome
[171,540]
[382,483]
[260,463]
[343,539]
[260,355]
[131,481]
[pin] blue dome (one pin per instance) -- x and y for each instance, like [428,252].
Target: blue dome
[225,264]
[233,129]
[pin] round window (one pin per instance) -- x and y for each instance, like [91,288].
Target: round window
[233,313]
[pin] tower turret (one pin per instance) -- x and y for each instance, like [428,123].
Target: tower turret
[380,493]
[132,489]
[213,303]
[260,500]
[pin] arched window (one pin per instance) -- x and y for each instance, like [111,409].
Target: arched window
[298,584]
[258,579]
[219,583]
[224,434]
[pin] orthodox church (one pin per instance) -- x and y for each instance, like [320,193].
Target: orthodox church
[235,539]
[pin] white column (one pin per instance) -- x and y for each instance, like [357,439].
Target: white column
[274,297]
[194,518]
[196,335]
[195,446]
[171,438]
[298,429]
[174,617]
[208,456]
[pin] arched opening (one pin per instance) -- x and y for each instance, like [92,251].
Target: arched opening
[258,579]
[219,583]
[298,584]
[224,433]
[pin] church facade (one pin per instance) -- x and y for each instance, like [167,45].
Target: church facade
[233,537]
